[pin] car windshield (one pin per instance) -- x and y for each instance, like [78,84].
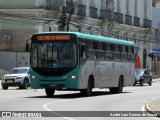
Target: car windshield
[139,72]
[18,71]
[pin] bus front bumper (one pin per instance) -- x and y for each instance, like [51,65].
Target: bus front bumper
[58,84]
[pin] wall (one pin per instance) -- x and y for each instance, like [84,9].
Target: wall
[14,40]
[156,26]
[9,60]
[17,4]
[155,17]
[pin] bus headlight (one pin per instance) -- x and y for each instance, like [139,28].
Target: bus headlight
[73,77]
[33,77]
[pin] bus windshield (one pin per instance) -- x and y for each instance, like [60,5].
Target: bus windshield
[53,55]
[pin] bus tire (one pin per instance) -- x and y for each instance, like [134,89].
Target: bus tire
[87,92]
[49,92]
[118,89]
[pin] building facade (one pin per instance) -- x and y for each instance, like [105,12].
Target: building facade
[125,19]
[156,38]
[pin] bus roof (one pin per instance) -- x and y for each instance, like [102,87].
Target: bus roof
[94,37]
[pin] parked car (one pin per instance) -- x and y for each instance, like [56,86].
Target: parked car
[16,77]
[143,76]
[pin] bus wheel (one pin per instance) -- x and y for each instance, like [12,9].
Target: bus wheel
[87,92]
[118,89]
[49,92]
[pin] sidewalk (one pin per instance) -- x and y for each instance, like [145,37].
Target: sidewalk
[153,107]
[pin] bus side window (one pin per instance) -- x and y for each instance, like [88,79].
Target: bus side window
[99,51]
[131,54]
[126,49]
[120,48]
[95,48]
[117,55]
[104,47]
[120,52]
[123,55]
[108,52]
[95,45]
[90,50]
[126,53]
[132,50]
[112,50]
[112,47]
[82,50]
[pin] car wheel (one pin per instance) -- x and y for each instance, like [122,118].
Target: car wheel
[49,92]
[150,82]
[26,84]
[4,87]
[141,83]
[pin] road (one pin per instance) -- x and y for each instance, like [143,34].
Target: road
[133,98]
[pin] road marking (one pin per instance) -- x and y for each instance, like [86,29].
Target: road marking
[47,109]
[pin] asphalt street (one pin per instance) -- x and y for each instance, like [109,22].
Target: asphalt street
[132,99]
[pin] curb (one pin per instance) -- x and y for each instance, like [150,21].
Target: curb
[148,109]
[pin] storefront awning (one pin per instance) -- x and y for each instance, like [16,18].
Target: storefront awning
[138,62]
[154,53]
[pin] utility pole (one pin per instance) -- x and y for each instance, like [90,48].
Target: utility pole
[71,13]
[112,8]
[64,21]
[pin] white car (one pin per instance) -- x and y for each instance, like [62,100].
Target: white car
[16,77]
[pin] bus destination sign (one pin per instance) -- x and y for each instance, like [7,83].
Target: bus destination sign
[53,37]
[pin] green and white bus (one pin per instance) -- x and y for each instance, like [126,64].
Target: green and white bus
[78,61]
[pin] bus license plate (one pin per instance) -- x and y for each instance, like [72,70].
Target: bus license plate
[52,85]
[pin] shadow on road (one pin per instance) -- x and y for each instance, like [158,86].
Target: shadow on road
[77,95]
[140,86]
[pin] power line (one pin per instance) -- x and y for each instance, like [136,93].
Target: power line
[24,17]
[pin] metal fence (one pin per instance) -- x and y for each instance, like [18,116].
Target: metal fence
[14,40]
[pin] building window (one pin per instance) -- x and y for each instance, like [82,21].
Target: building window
[50,29]
[154,3]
